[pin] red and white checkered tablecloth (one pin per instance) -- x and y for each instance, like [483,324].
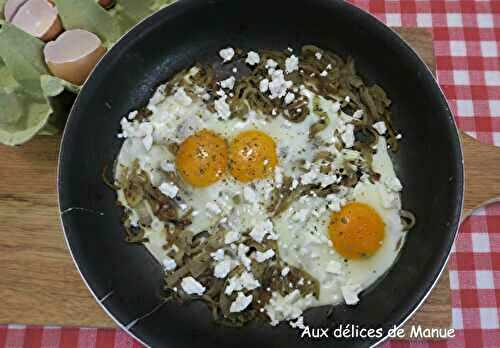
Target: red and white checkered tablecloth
[466,43]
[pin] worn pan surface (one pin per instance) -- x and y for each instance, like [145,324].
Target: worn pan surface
[126,279]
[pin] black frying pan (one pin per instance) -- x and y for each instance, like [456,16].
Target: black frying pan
[126,279]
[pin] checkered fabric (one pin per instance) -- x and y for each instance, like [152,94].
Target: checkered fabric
[466,43]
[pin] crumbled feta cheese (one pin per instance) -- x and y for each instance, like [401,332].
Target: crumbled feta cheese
[226,54]
[295,183]
[393,184]
[291,64]
[289,97]
[329,67]
[220,93]
[169,264]
[222,269]
[348,136]
[228,83]
[264,85]
[222,108]
[399,136]
[213,208]
[242,255]
[231,237]
[167,166]
[309,177]
[380,127]
[285,271]
[218,255]
[168,189]
[334,203]
[278,85]
[334,267]
[318,55]
[350,293]
[182,98]
[240,303]
[287,307]
[278,177]
[324,73]
[263,256]
[347,99]
[252,58]
[245,281]
[261,229]
[299,323]
[132,114]
[249,194]
[358,114]
[192,287]
[271,64]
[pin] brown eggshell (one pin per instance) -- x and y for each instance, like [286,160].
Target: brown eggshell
[73,55]
[36,17]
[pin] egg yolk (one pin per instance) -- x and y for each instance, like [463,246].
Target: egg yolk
[356,231]
[202,158]
[252,156]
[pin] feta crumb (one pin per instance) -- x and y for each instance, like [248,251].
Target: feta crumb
[252,58]
[240,303]
[347,99]
[324,73]
[318,55]
[242,255]
[235,70]
[278,177]
[350,293]
[213,208]
[271,64]
[168,189]
[167,166]
[222,108]
[289,49]
[291,64]
[329,67]
[299,323]
[334,267]
[222,269]
[393,184]
[264,85]
[218,255]
[231,237]
[169,264]
[358,114]
[261,257]
[261,229]
[399,136]
[380,127]
[132,114]
[226,54]
[295,183]
[182,98]
[249,194]
[228,83]
[278,85]
[289,97]
[285,271]
[245,281]
[348,136]
[192,286]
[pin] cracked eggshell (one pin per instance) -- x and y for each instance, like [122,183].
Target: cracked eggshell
[73,55]
[39,18]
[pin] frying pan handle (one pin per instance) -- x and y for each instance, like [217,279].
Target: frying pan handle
[482,173]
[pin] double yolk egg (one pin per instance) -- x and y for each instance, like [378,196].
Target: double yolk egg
[356,231]
[203,158]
